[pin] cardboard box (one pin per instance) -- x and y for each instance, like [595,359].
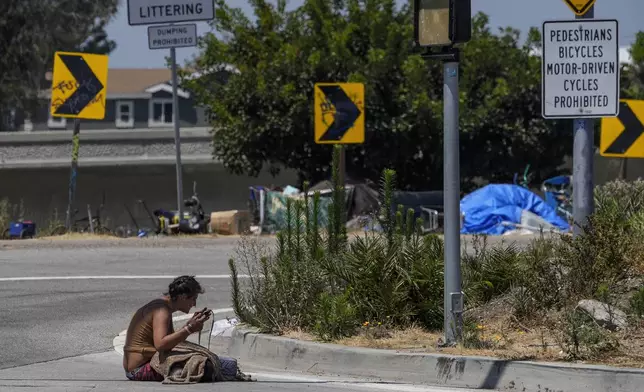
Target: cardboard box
[230,222]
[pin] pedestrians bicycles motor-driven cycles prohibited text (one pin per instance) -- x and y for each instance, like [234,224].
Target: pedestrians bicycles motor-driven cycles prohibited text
[580,69]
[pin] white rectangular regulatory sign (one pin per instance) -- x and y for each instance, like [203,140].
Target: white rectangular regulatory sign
[147,12]
[172,36]
[580,69]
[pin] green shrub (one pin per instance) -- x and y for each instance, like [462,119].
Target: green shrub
[581,338]
[5,215]
[626,194]
[605,253]
[558,271]
[284,285]
[9,212]
[402,282]
[541,279]
[489,272]
[636,303]
[335,316]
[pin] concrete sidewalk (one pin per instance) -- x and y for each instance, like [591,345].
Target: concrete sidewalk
[103,372]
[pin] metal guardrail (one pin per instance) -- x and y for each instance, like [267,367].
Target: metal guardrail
[104,135]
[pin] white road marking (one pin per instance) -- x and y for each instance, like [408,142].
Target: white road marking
[106,277]
[119,340]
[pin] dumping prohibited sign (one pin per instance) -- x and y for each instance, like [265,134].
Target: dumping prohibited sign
[172,36]
[580,69]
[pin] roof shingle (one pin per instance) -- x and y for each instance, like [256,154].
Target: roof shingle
[135,80]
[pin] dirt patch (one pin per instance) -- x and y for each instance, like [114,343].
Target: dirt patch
[88,236]
[78,236]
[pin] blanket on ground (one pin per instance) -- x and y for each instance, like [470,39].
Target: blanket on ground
[190,363]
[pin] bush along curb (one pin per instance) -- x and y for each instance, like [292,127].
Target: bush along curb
[250,347]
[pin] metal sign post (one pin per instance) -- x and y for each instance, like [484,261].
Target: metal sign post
[583,154]
[452,194]
[72,176]
[177,134]
[580,81]
[154,12]
[78,91]
[174,36]
[442,24]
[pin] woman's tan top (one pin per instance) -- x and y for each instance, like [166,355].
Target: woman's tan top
[140,336]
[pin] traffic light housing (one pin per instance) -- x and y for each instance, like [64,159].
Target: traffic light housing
[442,23]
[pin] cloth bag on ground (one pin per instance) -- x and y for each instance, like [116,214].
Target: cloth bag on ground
[190,363]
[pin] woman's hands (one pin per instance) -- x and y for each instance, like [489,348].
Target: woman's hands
[195,324]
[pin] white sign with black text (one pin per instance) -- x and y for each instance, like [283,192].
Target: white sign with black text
[580,69]
[147,12]
[173,36]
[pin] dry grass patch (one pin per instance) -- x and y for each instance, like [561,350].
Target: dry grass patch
[503,337]
[488,340]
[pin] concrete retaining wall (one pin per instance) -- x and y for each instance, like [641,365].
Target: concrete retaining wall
[429,369]
[43,191]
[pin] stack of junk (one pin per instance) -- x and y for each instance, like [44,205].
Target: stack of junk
[495,209]
[268,205]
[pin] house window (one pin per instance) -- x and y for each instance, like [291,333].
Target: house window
[124,114]
[160,112]
[56,122]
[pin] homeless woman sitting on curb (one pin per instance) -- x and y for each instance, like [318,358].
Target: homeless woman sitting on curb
[154,351]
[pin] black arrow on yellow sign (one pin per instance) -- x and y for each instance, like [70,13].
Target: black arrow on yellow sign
[346,113]
[633,129]
[88,85]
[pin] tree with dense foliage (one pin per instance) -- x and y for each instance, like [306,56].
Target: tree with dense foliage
[632,81]
[31,31]
[263,115]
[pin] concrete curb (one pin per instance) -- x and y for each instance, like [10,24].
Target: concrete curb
[430,369]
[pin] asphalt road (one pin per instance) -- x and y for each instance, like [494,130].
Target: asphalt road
[44,320]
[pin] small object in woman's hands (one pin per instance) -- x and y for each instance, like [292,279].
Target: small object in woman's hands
[200,312]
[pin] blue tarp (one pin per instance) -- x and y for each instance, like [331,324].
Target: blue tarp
[486,208]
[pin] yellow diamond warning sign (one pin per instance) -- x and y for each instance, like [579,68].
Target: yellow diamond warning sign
[579,7]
